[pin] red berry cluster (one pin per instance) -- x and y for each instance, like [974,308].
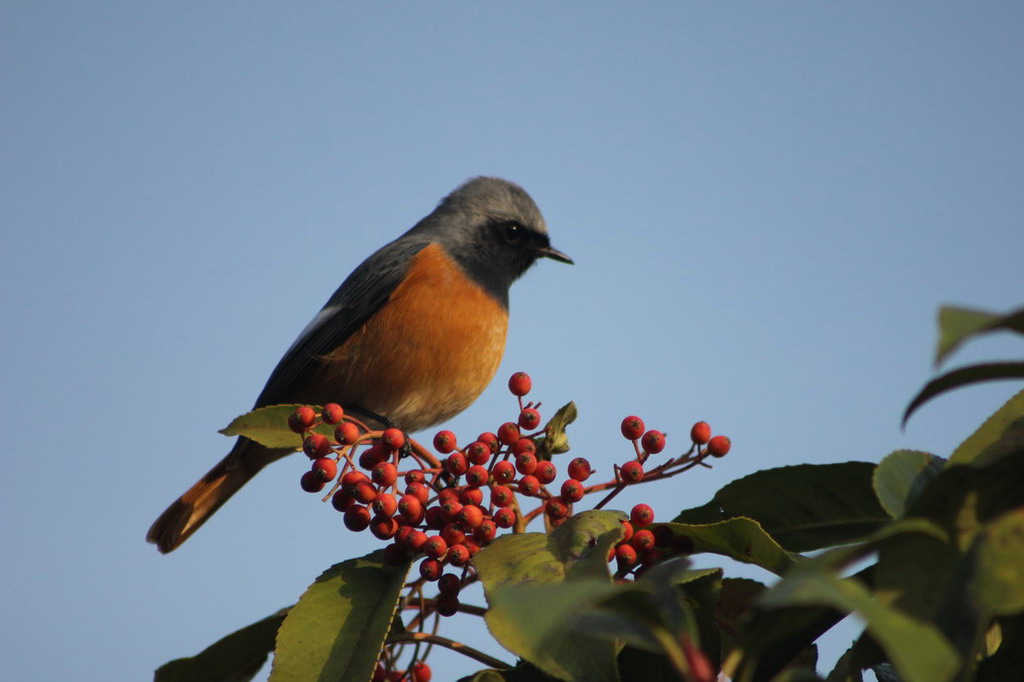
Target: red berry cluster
[443,506]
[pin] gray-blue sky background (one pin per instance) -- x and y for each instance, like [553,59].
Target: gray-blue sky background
[766,203]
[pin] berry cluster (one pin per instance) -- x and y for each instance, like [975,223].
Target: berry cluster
[442,506]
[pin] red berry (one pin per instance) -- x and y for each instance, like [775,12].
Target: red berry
[415,540]
[478,452]
[529,485]
[332,413]
[526,463]
[524,445]
[411,507]
[357,518]
[503,472]
[632,427]
[302,419]
[700,433]
[316,446]
[572,490]
[352,479]
[631,472]
[430,569]
[456,464]
[579,469]
[420,671]
[385,504]
[642,515]
[476,476]
[643,541]
[447,606]
[342,500]
[490,440]
[449,584]
[444,442]
[625,556]
[627,530]
[311,482]
[346,433]
[508,433]
[470,516]
[395,555]
[545,472]
[453,534]
[653,442]
[458,555]
[384,474]
[365,492]
[383,527]
[419,491]
[529,419]
[501,496]
[436,546]
[393,439]
[505,517]
[449,509]
[415,476]
[520,384]
[719,446]
[556,509]
[485,532]
[469,495]
[326,468]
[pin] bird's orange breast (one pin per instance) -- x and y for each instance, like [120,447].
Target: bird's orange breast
[427,354]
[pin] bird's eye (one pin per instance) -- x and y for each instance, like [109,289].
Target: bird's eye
[513,233]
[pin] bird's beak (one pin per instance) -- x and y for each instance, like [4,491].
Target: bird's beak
[554,254]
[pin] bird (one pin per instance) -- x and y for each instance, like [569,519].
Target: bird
[410,339]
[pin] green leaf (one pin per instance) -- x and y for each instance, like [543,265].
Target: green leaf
[1001,434]
[1008,660]
[917,648]
[962,498]
[538,623]
[738,538]
[337,629]
[268,426]
[523,672]
[555,440]
[804,507]
[237,657]
[957,324]
[964,376]
[901,476]
[998,583]
[557,574]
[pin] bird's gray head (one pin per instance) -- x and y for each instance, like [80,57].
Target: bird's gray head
[493,230]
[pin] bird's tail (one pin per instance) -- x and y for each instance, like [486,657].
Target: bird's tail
[192,509]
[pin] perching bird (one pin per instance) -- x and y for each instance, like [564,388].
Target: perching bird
[412,336]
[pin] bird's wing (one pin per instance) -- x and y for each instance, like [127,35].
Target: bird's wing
[361,295]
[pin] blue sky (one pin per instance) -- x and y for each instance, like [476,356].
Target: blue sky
[766,203]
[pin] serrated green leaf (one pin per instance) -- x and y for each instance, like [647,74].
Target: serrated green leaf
[738,538]
[901,476]
[1001,434]
[268,426]
[803,507]
[957,324]
[570,564]
[338,627]
[917,648]
[965,376]
[237,657]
